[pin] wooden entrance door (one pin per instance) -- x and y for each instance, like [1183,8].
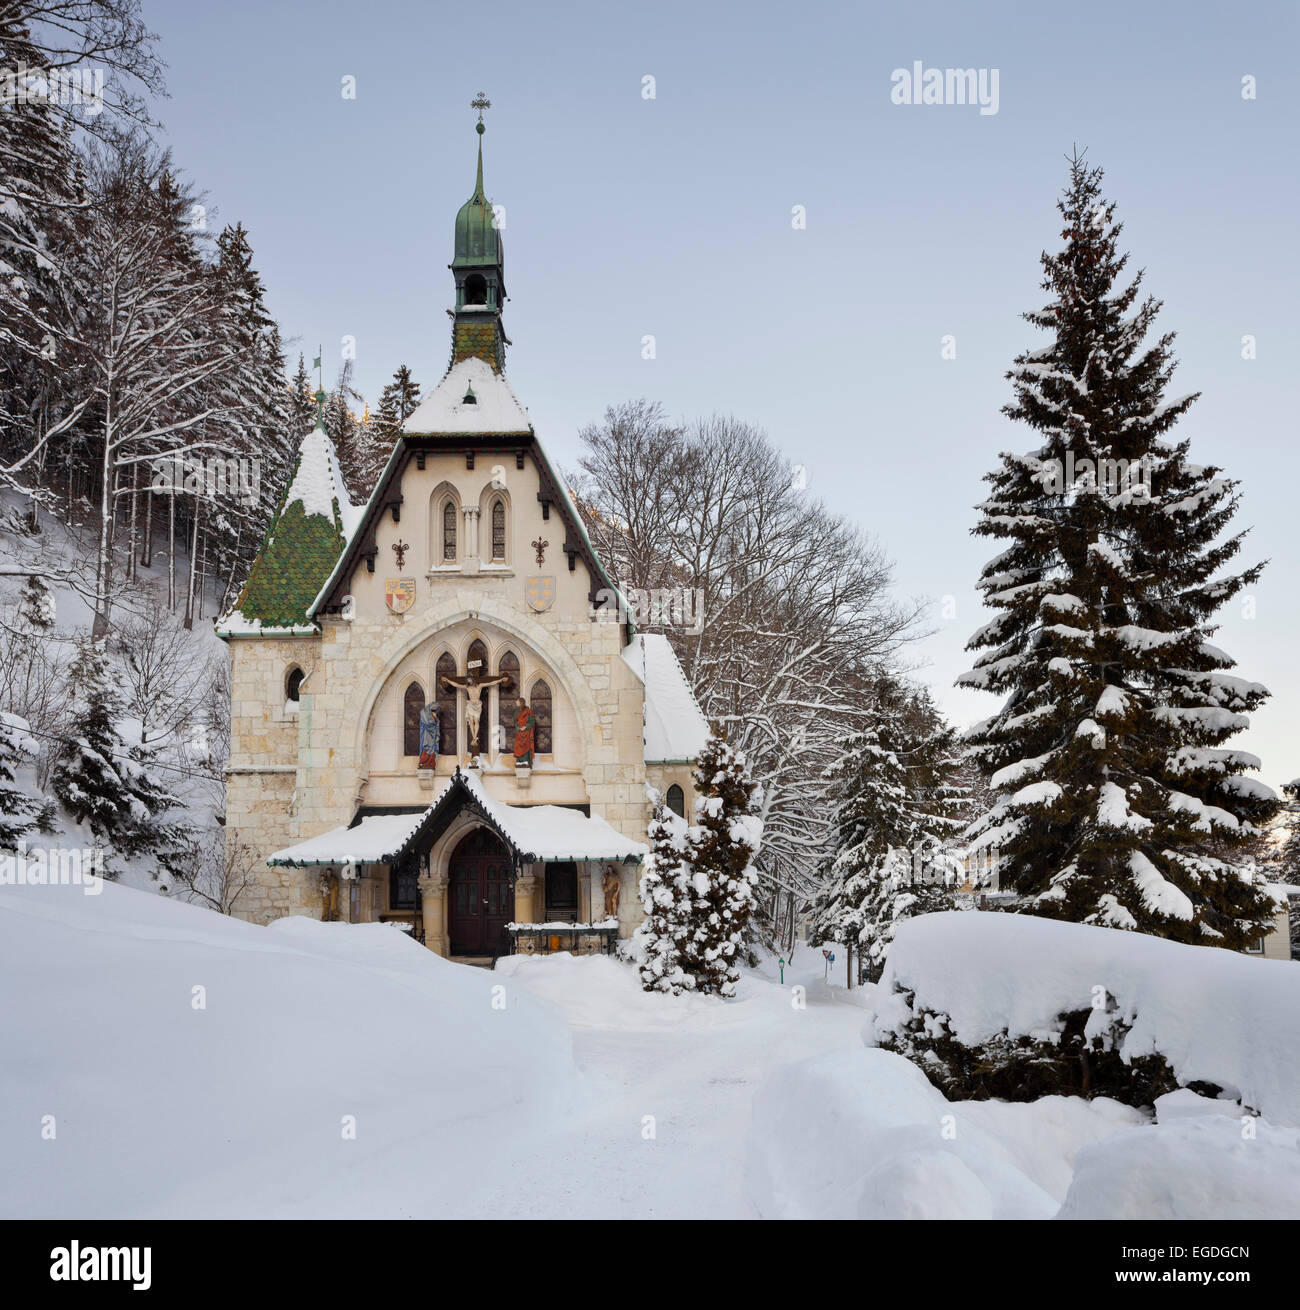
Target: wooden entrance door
[480,895]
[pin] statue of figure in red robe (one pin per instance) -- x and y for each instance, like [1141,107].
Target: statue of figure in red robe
[525,725]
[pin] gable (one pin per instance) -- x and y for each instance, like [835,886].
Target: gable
[399,508]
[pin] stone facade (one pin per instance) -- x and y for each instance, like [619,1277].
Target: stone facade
[298,770]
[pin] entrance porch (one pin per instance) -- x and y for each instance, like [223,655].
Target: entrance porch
[474,878]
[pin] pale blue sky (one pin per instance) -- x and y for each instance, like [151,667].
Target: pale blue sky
[672,217]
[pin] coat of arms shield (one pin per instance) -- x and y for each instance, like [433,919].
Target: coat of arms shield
[400,594]
[540,593]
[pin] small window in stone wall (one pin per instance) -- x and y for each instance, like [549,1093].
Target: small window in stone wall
[541,705]
[293,685]
[677,801]
[446,701]
[449,532]
[412,705]
[498,531]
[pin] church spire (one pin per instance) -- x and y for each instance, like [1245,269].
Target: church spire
[478,267]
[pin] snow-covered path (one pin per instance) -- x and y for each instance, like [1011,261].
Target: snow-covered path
[661,1131]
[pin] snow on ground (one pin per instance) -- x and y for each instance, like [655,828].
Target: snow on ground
[239,1108]
[550,1086]
[862,1133]
[1199,1162]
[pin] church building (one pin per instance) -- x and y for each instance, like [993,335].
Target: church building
[440,712]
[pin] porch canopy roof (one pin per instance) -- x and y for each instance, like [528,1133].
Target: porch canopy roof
[532,832]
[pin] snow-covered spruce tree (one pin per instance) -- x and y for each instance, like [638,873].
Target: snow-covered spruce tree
[20,811]
[895,796]
[721,846]
[397,402]
[1116,798]
[101,780]
[665,891]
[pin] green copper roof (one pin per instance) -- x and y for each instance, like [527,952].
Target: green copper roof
[478,243]
[301,546]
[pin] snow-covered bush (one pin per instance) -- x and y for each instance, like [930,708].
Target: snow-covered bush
[1018,1007]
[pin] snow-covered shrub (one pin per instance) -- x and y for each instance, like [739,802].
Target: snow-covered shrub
[1017,1007]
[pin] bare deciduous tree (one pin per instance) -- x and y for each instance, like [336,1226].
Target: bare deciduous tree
[799,618]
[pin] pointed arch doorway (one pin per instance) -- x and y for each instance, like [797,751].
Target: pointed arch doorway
[480,895]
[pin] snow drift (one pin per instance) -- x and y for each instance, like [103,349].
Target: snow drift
[182,1063]
[1215,1016]
[1198,1162]
[862,1133]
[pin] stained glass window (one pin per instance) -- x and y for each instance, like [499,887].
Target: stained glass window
[412,704]
[446,699]
[498,530]
[541,703]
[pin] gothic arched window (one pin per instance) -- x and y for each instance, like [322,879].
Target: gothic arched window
[677,801]
[476,666]
[293,684]
[412,705]
[446,700]
[541,704]
[498,531]
[508,700]
[449,531]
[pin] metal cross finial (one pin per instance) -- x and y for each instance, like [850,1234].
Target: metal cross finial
[480,102]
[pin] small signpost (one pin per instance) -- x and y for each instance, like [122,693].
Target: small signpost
[829,956]
[781,964]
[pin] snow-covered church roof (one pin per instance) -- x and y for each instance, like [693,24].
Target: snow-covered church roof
[533,832]
[675,727]
[472,398]
[314,522]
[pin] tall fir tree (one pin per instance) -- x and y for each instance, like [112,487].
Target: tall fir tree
[303,409]
[344,429]
[1116,797]
[397,402]
[896,800]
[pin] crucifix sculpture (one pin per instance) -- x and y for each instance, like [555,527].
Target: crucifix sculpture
[480,102]
[473,686]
